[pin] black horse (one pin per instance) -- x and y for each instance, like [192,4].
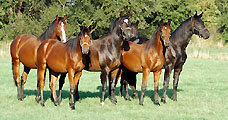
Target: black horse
[175,55]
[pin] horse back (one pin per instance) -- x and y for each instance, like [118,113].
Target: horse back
[24,47]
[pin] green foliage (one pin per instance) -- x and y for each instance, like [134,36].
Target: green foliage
[37,15]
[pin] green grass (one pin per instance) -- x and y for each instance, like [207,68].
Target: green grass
[202,94]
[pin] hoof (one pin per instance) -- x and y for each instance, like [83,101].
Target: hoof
[174,98]
[72,106]
[59,99]
[141,103]
[56,103]
[120,94]
[157,103]
[20,98]
[163,100]
[37,99]
[127,98]
[102,103]
[113,100]
[42,104]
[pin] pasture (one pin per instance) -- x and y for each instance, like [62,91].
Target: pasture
[202,94]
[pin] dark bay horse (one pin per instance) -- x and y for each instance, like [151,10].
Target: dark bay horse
[147,57]
[105,54]
[176,52]
[59,58]
[24,47]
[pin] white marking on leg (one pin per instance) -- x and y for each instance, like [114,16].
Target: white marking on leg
[63,32]
[102,103]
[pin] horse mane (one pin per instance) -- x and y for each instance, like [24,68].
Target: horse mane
[49,31]
[114,23]
[180,28]
[152,39]
[72,43]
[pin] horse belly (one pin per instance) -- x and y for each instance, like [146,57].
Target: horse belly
[132,62]
[27,53]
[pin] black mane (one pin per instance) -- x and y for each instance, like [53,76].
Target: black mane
[152,39]
[49,31]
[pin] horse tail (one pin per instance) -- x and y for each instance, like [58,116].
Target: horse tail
[15,59]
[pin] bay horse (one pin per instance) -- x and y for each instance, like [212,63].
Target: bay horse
[147,57]
[59,58]
[105,54]
[24,47]
[176,52]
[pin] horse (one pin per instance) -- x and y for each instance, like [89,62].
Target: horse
[176,53]
[105,54]
[147,57]
[23,49]
[59,58]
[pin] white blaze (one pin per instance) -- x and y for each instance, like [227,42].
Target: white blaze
[63,32]
[126,21]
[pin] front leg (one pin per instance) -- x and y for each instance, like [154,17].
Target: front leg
[166,83]
[156,84]
[175,82]
[146,73]
[114,74]
[104,77]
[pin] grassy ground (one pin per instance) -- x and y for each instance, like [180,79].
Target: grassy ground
[202,94]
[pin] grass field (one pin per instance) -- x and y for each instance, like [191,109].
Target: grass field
[202,94]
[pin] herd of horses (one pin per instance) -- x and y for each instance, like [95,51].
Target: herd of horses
[120,53]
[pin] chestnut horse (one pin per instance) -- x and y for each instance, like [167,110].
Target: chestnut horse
[59,58]
[176,52]
[24,47]
[105,54]
[147,57]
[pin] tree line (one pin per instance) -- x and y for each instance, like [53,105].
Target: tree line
[34,16]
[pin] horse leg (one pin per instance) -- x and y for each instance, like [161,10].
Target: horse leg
[104,77]
[61,83]
[121,87]
[114,74]
[41,73]
[125,84]
[156,85]
[77,93]
[15,70]
[146,73]
[23,79]
[52,84]
[132,85]
[175,82]
[166,83]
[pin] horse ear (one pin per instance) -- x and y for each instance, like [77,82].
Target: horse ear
[65,17]
[121,14]
[81,28]
[57,18]
[89,28]
[195,14]
[128,14]
[161,23]
[136,24]
[201,15]
[169,22]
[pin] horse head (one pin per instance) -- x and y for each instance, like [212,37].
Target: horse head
[60,28]
[198,26]
[165,32]
[85,39]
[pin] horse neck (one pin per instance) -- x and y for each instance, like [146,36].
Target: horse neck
[116,37]
[48,34]
[182,35]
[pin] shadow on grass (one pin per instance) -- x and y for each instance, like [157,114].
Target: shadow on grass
[88,94]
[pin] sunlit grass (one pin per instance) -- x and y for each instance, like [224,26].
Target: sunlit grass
[202,94]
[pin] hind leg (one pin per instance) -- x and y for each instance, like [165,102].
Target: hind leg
[175,82]
[61,83]
[52,84]
[15,69]
[41,72]
[24,79]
